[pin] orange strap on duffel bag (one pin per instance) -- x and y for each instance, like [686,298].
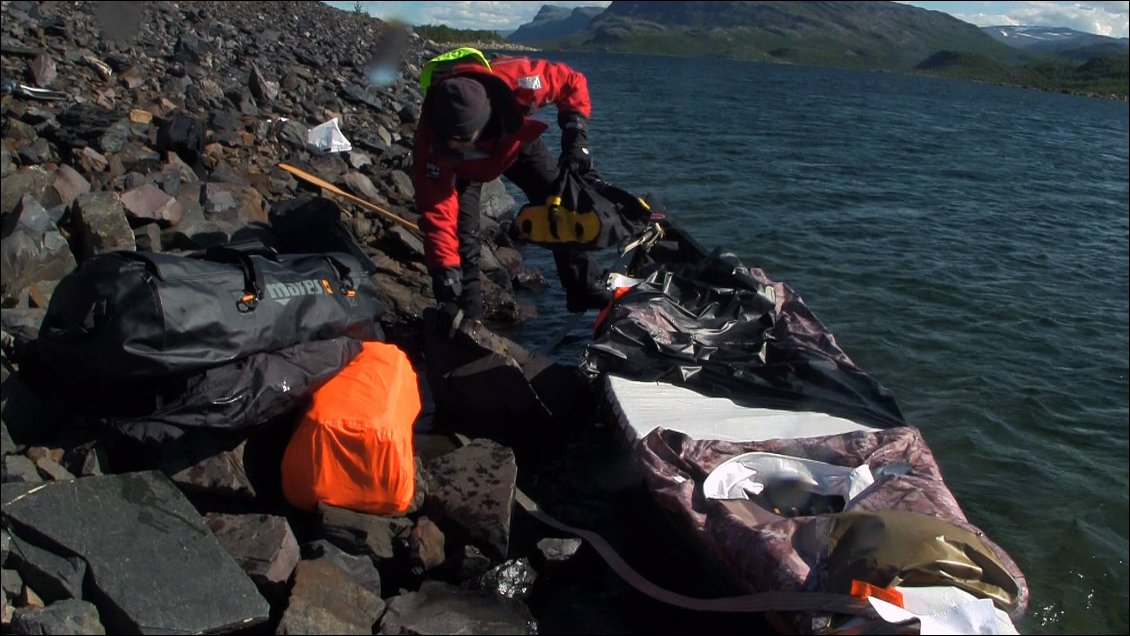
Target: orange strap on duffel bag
[353,448]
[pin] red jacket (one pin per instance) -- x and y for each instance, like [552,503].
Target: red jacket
[515,88]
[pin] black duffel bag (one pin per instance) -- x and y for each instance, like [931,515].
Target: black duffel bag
[134,317]
[231,401]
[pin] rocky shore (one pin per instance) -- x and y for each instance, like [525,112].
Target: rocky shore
[105,537]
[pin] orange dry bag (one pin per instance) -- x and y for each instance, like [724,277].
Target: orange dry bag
[353,448]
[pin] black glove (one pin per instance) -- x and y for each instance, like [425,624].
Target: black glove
[448,318]
[447,288]
[574,143]
[447,285]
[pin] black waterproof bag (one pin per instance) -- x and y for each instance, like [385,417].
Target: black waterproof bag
[185,135]
[137,317]
[584,213]
[231,401]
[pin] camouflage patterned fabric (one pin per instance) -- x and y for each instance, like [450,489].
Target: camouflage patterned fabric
[758,550]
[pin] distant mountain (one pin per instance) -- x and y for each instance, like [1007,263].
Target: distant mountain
[876,35]
[552,23]
[888,36]
[1060,41]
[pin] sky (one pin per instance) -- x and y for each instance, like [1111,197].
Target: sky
[1103,18]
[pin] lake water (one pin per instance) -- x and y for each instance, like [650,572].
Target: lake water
[966,243]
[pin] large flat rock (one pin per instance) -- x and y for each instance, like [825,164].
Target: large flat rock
[473,490]
[442,608]
[156,566]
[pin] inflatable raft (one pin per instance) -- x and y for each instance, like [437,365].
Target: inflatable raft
[787,466]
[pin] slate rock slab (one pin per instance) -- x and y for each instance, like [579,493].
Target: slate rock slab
[156,566]
[264,545]
[53,577]
[360,568]
[326,600]
[63,617]
[473,488]
[442,608]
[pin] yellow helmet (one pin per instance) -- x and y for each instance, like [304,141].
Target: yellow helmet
[464,55]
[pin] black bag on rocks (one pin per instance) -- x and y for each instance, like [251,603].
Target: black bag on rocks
[130,318]
[185,135]
[314,224]
[231,401]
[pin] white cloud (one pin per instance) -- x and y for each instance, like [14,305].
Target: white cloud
[496,16]
[1104,18]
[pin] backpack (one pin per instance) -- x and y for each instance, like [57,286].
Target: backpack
[354,448]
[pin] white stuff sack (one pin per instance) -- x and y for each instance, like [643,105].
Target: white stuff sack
[326,138]
[779,476]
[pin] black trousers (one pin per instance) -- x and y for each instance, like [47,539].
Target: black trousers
[533,172]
